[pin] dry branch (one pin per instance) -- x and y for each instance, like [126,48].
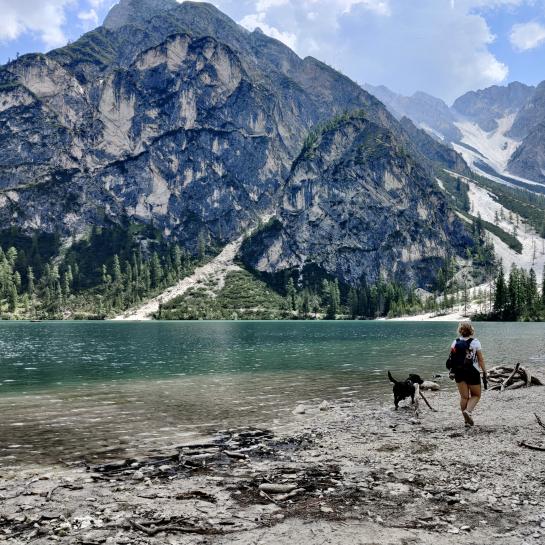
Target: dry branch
[427,403]
[510,377]
[531,447]
[539,421]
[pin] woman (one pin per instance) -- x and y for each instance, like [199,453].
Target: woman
[468,361]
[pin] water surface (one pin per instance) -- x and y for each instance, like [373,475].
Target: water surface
[91,390]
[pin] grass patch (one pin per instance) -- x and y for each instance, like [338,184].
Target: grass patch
[242,297]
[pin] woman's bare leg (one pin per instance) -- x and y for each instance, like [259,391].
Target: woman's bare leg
[463,388]
[475,391]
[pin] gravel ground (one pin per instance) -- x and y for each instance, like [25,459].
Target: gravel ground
[352,473]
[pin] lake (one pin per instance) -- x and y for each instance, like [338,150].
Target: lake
[96,390]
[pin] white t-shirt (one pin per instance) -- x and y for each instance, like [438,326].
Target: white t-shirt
[473,347]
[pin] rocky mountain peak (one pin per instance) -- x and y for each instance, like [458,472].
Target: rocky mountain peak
[132,11]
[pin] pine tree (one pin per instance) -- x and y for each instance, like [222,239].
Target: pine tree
[543,290]
[353,303]
[334,300]
[500,298]
[117,275]
[156,271]
[30,281]
[201,245]
[12,298]
[290,294]
[532,295]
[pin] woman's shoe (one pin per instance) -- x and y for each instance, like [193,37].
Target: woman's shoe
[468,418]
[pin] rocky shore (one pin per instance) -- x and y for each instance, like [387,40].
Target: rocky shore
[349,473]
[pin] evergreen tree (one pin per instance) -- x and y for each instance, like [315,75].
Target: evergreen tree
[500,297]
[291,293]
[12,298]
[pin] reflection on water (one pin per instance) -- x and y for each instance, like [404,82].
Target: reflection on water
[96,390]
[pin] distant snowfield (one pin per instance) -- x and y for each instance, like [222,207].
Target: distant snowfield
[482,202]
[494,148]
[533,252]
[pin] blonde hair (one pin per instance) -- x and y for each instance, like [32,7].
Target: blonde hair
[466,329]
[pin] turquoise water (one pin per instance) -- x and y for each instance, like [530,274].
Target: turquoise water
[90,390]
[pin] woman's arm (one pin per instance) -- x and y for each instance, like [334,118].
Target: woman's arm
[480,359]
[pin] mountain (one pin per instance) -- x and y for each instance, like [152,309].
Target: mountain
[531,114]
[172,124]
[498,130]
[107,127]
[357,205]
[426,111]
[529,158]
[486,106]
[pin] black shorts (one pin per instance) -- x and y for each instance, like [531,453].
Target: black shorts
[470,376]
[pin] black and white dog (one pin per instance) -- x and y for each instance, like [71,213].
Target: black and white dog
[404,389]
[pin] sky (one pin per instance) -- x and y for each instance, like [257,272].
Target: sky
[443,47]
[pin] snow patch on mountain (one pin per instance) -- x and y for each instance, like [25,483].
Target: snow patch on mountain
[533,252]
[495,147]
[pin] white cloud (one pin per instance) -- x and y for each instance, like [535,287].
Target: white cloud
[526,36]
[43,17]
[438,46]
[257,20]
[89,18]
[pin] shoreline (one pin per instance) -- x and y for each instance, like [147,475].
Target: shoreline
[357,473]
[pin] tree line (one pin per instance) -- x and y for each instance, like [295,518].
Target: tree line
[518,297]
[66,288]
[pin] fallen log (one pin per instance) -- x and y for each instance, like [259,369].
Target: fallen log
[293,493]
[527,376]
[515,385]
[272,488]
[235,454]
[510,377]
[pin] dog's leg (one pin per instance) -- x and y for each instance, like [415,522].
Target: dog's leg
[396,402]
[412,398]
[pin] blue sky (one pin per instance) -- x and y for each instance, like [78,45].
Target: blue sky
[444,47]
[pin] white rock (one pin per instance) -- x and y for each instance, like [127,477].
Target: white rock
[138,475]
[300,409]
[324,405]
[429,385]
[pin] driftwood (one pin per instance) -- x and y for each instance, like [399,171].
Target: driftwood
[271,488]
[515,385]
[531,447]
[152,528]
[427,403]
[539,421]
[291,494]
[504,377]
[510,377]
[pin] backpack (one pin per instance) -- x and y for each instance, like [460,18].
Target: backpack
[460,356]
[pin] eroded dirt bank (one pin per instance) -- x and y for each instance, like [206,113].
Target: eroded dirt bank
[350,474]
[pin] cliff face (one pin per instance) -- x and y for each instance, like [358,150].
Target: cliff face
[139,119]
[488,105]
[529,125]
[170,114]
[357,204]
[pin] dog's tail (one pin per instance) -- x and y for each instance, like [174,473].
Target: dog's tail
[392,379]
